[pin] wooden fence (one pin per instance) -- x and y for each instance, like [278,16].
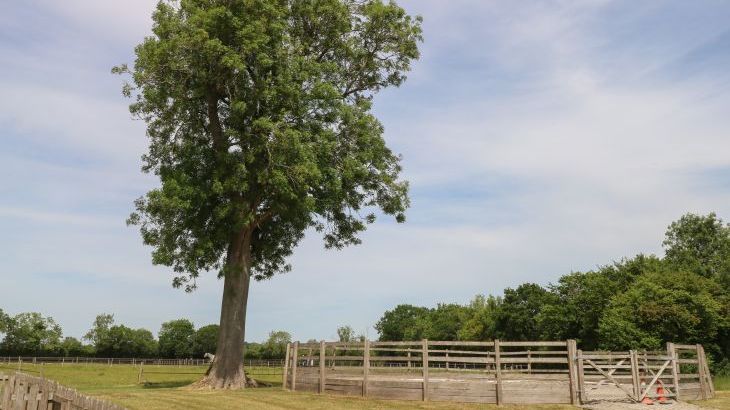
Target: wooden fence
[20,391]
[495,372]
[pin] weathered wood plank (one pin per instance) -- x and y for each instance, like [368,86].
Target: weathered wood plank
[322,366]
[395,393]
[424,369]
[389,358]
[286,366]
[295,357]
[517,344]
[533,360]
[498,371]
[448,343]
[572,371]
[461,359]
[381,344]
[686,347]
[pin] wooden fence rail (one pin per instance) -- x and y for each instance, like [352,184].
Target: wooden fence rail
[495,372]
[20,391]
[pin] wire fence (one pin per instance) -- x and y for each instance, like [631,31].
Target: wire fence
[20,360]
[147,371]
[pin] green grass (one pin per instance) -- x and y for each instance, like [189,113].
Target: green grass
[721,401]
[164,387]
[722,382]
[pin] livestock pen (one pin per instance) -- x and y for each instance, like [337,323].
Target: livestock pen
[517,372]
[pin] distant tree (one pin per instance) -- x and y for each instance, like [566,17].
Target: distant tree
[275,345]
[72,347]
[121,341]
[700,244]
[399,324]
[31,334]
[4,321]
[100,329]
[581,299]
[517,318]
[682,307]
[444,322]
[480,319]
[260,121]
[254,350]
[176,339]
[205,340]
[346,334]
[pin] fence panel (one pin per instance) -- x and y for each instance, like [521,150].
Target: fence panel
[22,391]
[494,372]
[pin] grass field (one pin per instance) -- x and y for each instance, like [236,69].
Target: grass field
[722,395]
[164,388]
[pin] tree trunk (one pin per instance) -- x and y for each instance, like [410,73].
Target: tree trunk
[226,371]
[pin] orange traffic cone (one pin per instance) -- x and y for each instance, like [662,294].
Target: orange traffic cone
[646,400]
[660,394]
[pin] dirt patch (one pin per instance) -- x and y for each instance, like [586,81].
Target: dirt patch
[629,405]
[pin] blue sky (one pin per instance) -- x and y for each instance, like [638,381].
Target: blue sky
[539,138]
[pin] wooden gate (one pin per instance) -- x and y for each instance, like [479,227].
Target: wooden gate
[679,372]
[605,376]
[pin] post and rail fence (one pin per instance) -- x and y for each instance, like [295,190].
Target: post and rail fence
[14,361]
[549,372]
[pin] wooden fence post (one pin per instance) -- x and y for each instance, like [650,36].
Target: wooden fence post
[635,375]
[703,382]
[672,353]
[295,359]
[708,375]
[365,367]
[141,373]
[424,357]
[572,374]
[498,372]
[581,376]
[322,366]
[286,367]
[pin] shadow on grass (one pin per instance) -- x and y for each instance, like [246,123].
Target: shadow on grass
[165,385]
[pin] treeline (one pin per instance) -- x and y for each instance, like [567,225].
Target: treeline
[636,303]
[31,334]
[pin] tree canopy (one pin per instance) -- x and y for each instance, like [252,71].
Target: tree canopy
[205,340]
[31,334]
[259,115]
[176,338]
[700,244]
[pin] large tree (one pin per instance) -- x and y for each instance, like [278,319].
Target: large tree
[260,125]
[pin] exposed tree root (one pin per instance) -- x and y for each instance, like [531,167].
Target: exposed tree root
[211,382]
